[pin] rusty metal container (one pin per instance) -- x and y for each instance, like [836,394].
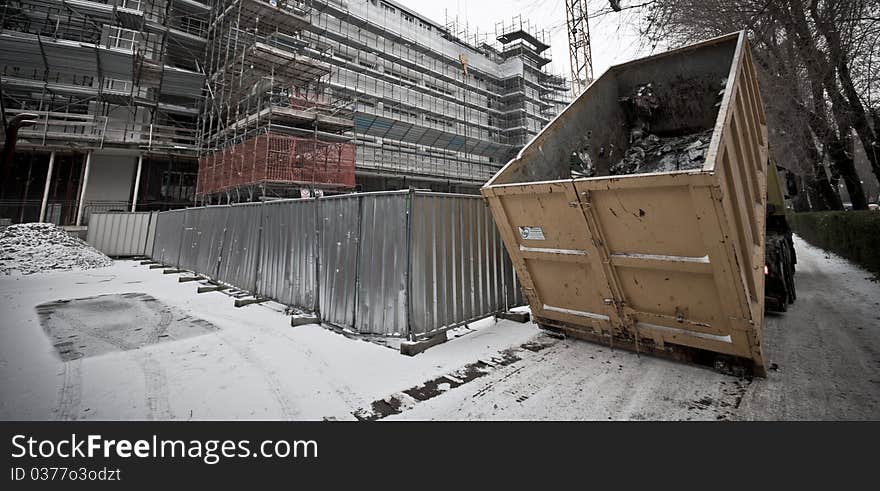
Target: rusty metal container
[664,262]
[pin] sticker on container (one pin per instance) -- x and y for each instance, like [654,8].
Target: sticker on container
[532,233]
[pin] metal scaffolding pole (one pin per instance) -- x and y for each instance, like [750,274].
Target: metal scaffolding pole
[85,185]
[47,187]
[137,184]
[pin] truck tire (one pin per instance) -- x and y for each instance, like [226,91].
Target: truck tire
[786,288]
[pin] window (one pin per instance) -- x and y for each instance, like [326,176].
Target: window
[121,38]
[178,186]
[131,4]
[439,121]
[194,25]
[116,85]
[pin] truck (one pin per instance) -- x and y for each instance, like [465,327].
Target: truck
[647,215]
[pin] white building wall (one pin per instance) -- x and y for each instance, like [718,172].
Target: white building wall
[111,178]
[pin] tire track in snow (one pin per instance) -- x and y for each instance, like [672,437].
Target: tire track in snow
[269,375]
[70,394]
[155,380]
[339,387]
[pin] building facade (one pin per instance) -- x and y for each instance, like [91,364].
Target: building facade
[116,92]
[157,104]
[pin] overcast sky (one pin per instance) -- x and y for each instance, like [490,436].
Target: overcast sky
[613,36]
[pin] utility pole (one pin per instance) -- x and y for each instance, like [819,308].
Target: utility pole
[579,48]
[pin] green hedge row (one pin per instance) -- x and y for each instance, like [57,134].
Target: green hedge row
[854,235]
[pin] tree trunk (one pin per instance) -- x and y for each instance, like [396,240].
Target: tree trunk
[822,80]
[837,150]
[854,107]
[825,195]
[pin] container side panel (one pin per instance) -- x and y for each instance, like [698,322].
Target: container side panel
[742,177]
[547,235]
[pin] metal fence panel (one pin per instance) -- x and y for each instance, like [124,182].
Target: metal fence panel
[382,265]
[211,228]
[121,234]
[392,264]
[288,263]
[338,256]
[241,247]
[169,232]
[456,258]
[190,240]
[151,233]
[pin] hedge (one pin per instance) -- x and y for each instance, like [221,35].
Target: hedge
[854,235]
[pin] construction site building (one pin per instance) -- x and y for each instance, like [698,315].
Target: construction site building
[436,105]
[116,89]
[156,104]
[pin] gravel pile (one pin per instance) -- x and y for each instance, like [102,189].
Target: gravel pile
[39,247]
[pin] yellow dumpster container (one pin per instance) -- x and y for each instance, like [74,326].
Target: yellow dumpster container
[662,257]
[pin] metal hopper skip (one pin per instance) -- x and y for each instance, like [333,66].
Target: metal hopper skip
[637,217]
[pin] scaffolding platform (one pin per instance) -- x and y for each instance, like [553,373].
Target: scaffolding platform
[277,160]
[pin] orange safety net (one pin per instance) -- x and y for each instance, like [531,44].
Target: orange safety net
[278,159]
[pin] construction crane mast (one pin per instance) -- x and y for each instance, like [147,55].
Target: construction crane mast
[579,48]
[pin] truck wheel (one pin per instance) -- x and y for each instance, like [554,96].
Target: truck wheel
[789,274]
[783,278]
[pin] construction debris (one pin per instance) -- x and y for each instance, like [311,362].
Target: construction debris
[655,154]
[39,247]
[647,151]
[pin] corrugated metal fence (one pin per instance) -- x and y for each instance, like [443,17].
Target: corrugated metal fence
[122,234]
[408,264]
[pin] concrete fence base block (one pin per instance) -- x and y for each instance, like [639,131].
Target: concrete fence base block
[304,321]
[189,279]
[244,302]
[209,289]
[412,348]
[173,271]
[147,263]
[157,266]
[521,317]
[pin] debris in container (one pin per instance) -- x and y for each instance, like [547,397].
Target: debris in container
[649,152]
[581,164]
[655,154]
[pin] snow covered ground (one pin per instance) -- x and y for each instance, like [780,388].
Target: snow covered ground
[253,366]
[824,355]
[250,364]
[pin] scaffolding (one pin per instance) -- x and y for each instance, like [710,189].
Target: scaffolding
[434,102]
[272,164]
[421,101]
[268,89]
[120,73]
